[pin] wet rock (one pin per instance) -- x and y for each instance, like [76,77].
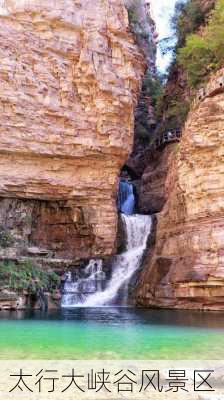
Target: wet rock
[11,301]
[121,236]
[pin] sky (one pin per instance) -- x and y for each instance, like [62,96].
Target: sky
[162,13]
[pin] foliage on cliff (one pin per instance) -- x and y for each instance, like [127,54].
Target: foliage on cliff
[204,51]
[6,239]
[135,22]
[145,121]
[187,19]
[191,60]
[26,276]
[152,86]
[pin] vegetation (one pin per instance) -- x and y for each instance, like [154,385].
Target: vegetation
[6,239]
[134,22]
[26,276]
[132,15]
[187,19]
[152,85]
[204,53]
[176,113]
[197,51]
[152,88]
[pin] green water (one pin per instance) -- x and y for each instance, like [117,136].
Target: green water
[112,333]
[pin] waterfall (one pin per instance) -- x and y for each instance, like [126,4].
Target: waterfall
[126,199]
[92,290]
[80,285]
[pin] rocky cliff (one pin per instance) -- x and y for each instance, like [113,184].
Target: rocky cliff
[185,269]
[144,29]
[152,185]
[70,76]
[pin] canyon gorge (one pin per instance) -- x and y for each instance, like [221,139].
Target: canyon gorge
[76,117]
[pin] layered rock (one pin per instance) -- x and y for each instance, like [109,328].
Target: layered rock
[186,267]
[70,75]
[152,194]
[143,26]
[144,29]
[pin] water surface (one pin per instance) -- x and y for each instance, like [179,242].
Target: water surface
[111,333]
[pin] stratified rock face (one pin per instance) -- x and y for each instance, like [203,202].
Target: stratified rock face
[152,188]
[144,28]
[70,75]
[187,266]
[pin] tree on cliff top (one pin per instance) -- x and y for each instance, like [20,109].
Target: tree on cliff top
[204,51]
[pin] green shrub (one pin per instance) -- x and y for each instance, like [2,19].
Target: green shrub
[188,17]
[134,21]
[178,111]
[6,239]
[142,132]
[26,276]
[132,16]
[203,54]
[152,87]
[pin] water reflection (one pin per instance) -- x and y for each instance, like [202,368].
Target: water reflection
[122,315]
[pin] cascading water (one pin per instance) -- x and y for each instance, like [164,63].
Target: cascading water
[89,287]
[91,290]
[80,285]
[126,198]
